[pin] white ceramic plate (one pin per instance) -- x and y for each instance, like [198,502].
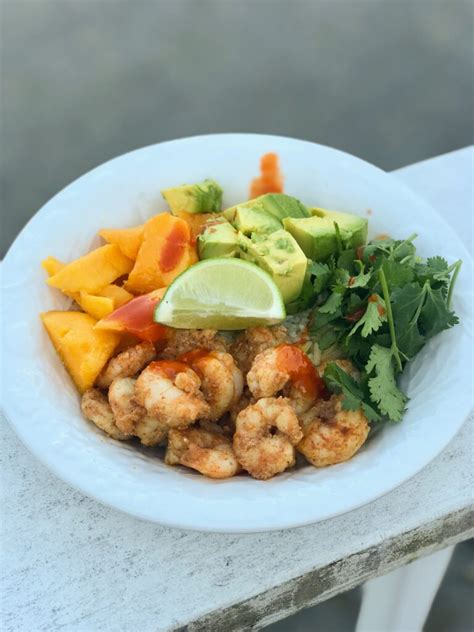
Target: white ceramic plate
[43,406]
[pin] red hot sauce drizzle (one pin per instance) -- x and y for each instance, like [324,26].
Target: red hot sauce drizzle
[301,370]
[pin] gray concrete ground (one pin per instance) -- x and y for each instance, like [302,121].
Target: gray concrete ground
[82,81]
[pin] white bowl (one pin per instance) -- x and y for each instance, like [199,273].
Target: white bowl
[43,405]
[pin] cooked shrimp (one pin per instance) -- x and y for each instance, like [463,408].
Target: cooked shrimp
[170,391]
[285,368]
[266,433]
[185,340]
[331,434]
[127,364]
[222,382]
[97,409]
[208,452]
[253,341]
[126,410]
[245,400]
[151,431]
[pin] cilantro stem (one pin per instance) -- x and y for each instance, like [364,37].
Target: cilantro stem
[338,238]
[408,240]
[457,267]
[391,324]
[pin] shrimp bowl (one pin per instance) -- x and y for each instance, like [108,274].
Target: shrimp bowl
[263,413]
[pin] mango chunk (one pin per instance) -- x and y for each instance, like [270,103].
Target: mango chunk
[128,240]
[118,294]
[52,265]
[93,271]
[96,306]
[165,252]
[83,350]
[195,221]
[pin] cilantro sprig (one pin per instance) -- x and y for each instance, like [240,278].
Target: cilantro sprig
[378,304]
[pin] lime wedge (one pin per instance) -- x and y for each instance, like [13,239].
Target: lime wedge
[221,294]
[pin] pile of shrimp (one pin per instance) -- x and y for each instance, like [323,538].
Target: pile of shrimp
[224,408]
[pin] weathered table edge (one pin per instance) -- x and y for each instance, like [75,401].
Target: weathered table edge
[342,575]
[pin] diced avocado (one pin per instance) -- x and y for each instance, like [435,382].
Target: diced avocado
[280,256]
[354,224]
[250,220]
[279,205]
[317,235]
[217,239]
[203,197]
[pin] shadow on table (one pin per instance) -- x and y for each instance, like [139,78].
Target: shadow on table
[452,611]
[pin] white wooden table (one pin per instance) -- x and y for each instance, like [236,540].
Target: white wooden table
[70,563]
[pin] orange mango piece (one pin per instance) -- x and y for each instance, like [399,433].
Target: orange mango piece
[93,271]
[128,240]
[108,299]
[83,350]
[165,252]
[136,318]
[196,221]
[96,306]
[118,294]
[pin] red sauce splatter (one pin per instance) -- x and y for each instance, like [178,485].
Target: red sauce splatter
[360,252]
[381,310]
[193,356]
[174,247]
[355,316]
[301,371]
[136,317]
[170,368]
[271,178]
[373,298]
[351,281]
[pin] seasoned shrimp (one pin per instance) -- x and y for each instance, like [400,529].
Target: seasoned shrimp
[331,434]
[265,436]
[245,400]
[253,341]
[126,410]
[97,409]
[222,382]
[208,452]
[185,340]
[285,368]
[127,364]
[170,391]
[151,431]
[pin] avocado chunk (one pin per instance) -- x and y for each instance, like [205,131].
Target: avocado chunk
[354,224]
[217,239]
[250,219]
[279,205]
[317,235]
[203,197]
[280,256]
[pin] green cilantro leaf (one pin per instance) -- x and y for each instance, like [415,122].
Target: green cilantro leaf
[406,303]
[383,388]
[435,315]
[333,303]
[373,317]
[337,380]
[397,274]
[322,275]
